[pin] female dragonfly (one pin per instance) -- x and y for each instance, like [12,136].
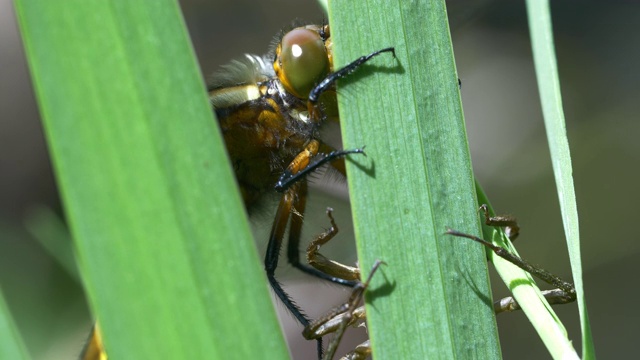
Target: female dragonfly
[270,110]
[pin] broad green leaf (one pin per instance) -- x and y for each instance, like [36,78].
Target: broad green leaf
[164,248]
[432,299]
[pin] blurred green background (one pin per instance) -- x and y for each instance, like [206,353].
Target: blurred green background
[598,55]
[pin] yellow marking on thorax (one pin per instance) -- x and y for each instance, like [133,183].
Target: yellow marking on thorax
[232,96]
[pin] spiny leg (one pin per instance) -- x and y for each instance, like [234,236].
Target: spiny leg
[314,162]
[297,170]
[554,297]
[329,322]
[356,298]
[273,253]
[322,263]
[512,230]
[332,78]
[565,291]
[507,222]
[339,318]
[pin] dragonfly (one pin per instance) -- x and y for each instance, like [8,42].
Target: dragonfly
[270,110]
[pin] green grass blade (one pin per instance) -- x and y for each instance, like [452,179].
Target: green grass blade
[52,234]
[549,88]
[164,247]
[432,300]
[324,5]
[11,344]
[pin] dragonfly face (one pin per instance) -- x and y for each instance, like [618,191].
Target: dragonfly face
[262,106]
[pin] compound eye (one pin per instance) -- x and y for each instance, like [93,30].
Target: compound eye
[303,61]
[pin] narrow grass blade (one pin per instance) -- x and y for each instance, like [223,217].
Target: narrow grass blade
[164,248]
[52,234]
[549,88]
[432,299]
[11,344]
[324,5]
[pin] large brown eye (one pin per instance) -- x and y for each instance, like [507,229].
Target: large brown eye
[303,61]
